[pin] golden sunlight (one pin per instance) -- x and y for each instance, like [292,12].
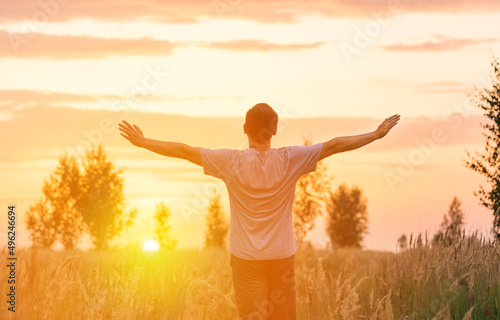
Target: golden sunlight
[150,246]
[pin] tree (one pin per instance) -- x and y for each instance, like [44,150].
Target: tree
[348,218]
[75,200]
[62,191]
[162,228]
[310,195]
[452,223]
[217,226]
[40,224]
[54,217]
[102,202]
[487,162]
[403,242]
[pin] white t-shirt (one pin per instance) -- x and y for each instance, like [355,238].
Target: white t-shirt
[261,188]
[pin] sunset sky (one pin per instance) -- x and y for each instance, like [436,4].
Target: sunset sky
[189,70]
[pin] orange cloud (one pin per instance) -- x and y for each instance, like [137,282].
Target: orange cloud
[195,10]
[59,47]
[258,45]
[39,45]
[446,44]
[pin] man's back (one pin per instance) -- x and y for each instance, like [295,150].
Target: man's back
[261,187]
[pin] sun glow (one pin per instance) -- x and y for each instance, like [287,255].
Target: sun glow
[150,246]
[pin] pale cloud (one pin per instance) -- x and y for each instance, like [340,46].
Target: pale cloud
[24,98]
[445,86]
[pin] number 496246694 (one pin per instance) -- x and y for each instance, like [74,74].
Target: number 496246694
[12,233]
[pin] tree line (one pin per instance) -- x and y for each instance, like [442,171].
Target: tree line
[86,198]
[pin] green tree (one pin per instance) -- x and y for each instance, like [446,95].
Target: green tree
[487,162]
[54,217]
[310,195]
[162,227]
[40,224]
[217,226]
[452,223]
[62,191]
[348,217]
[102,203]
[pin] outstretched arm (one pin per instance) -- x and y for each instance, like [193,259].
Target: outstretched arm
[170,149]
[342,144]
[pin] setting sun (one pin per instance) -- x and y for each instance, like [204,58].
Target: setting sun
[150,246]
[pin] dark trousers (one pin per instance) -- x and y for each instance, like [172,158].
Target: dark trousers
[264,289]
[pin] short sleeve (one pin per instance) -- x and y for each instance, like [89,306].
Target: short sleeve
[304,159]
[217,162]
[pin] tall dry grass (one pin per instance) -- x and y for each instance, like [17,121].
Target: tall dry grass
[460,280]
[457,281]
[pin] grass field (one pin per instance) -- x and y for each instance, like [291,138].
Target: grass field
[461,281]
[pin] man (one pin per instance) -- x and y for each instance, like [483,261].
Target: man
[261,185]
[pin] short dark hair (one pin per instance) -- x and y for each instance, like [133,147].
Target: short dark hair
[261,122]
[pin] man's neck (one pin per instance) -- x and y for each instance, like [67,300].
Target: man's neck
[259,146]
